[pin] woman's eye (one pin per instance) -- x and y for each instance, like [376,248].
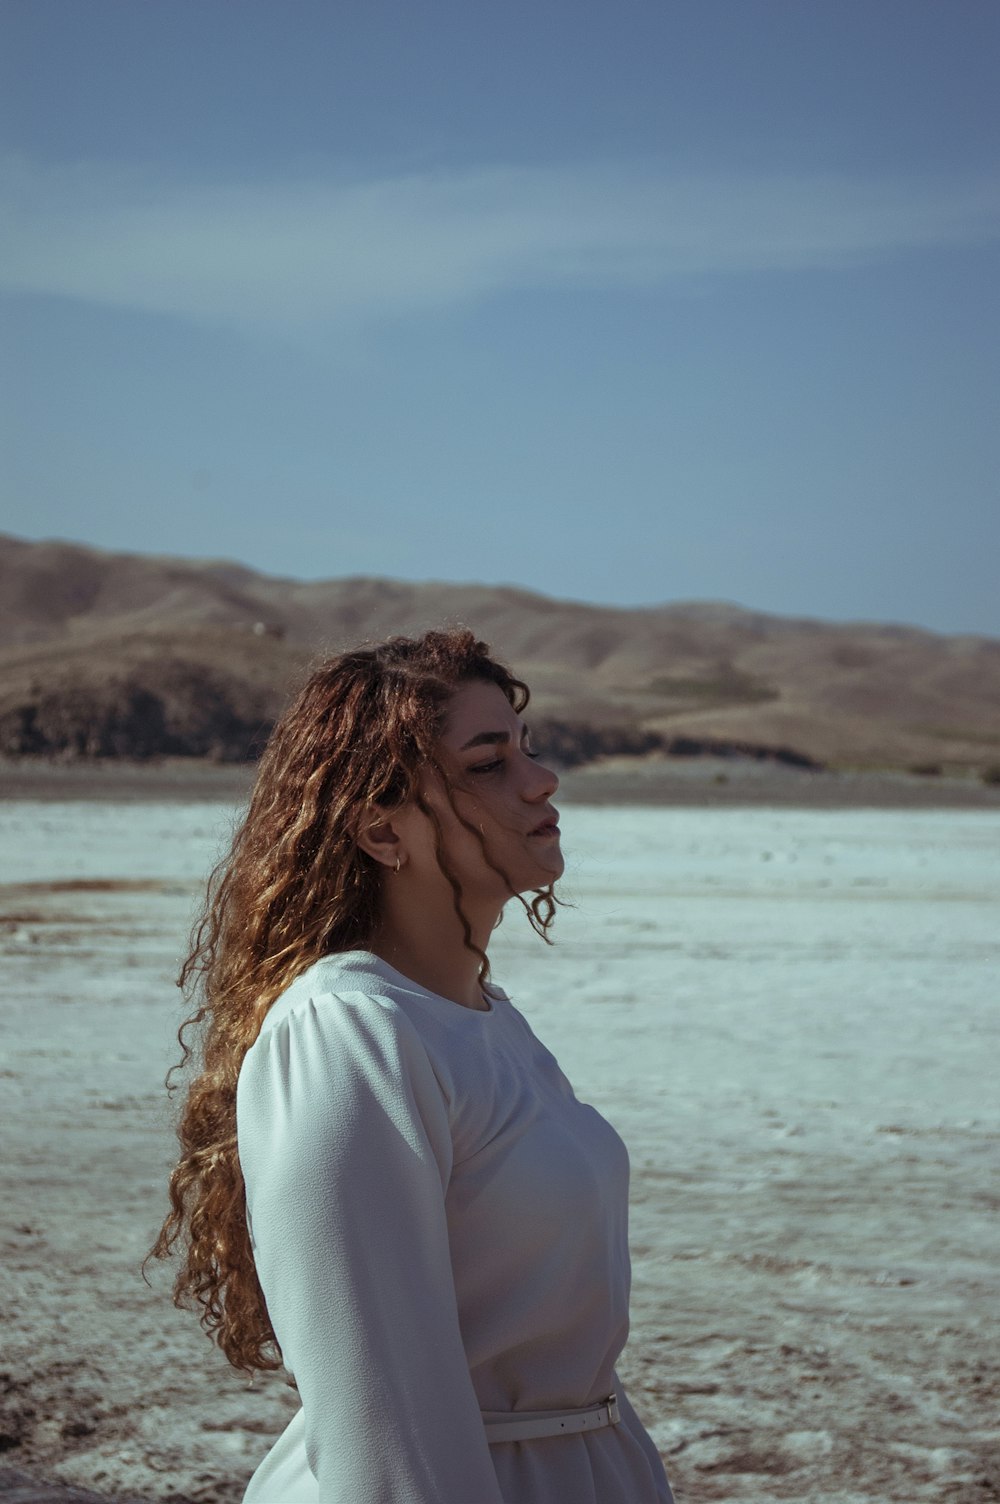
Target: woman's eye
[488,767]
[497,763]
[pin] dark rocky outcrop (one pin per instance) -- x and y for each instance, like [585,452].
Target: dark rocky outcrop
[707,746]
[189,714]
[573,743]
[570,743]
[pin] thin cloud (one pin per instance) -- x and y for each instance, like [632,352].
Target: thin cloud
[289,255]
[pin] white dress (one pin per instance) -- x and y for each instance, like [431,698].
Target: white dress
[439,1228]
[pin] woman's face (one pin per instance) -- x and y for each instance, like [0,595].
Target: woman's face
[499,787]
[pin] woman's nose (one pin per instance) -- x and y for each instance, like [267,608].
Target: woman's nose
[544,782]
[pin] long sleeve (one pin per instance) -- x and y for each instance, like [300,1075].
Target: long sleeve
[346,1150]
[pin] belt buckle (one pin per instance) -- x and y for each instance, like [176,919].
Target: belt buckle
[614,1414]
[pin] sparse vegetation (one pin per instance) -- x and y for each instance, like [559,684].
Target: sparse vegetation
[726,685]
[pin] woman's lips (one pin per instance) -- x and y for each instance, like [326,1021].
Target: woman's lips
[547,828]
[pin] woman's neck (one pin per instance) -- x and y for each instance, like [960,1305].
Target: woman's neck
[432,952]
[448,977]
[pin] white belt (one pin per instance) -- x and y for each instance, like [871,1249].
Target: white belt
[526,1425]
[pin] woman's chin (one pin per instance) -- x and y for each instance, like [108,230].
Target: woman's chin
[552,865]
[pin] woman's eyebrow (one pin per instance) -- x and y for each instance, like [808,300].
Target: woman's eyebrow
[490,738]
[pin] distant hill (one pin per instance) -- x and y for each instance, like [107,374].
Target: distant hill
[133,655]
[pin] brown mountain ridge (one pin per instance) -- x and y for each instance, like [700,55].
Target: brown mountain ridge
[106,654]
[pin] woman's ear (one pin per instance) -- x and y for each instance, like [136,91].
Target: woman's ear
[377,835]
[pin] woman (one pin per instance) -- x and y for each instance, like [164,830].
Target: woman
[386,1183]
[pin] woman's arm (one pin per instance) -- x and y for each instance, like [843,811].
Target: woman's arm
[346,1151]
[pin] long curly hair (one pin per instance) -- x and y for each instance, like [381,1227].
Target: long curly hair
[295,886]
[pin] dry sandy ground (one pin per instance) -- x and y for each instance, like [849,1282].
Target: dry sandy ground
[791,1019]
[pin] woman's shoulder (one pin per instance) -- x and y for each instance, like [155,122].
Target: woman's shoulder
[350,1015]
[324,989]
[335,1068]
[326,1034]
[328,1003]
[345,982]
[353,1002]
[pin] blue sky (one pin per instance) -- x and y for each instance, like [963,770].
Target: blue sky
[627,303]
